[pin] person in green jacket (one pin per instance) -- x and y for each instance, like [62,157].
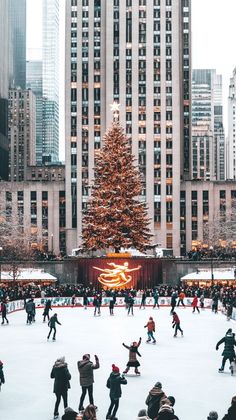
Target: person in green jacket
[228,352]
[114,383]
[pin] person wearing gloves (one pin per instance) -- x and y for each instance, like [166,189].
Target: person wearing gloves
[228,352]
[150,330]
[114,383]
[2,378]
[133,351]
[52,325]
[61,376]
[86,368]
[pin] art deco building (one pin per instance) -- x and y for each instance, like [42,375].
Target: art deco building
[137,53]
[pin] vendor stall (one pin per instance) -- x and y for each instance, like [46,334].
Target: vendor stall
[27,276]
[205,277]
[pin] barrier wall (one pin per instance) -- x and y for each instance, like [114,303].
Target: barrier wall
[120,301]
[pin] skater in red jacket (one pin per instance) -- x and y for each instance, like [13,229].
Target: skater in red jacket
[133,351]
[150,330]
[176,324]
[195,304]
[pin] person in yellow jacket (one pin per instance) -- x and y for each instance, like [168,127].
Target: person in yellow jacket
[150,330]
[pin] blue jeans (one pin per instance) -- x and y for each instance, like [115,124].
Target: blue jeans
[150,335]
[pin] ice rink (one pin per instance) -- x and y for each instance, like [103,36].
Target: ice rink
[187,367]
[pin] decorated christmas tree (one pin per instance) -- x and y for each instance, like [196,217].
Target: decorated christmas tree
[115,217]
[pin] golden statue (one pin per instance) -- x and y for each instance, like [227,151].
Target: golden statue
[117,276]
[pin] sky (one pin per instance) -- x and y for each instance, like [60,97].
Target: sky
[213,42]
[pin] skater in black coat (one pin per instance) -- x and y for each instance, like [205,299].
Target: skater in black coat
[30,310]
[153,400]
[130,303]
[228,353]
[47,308]
[52,324]
[173,301]
[62,377]
[4,312]
[111,306]
[231,415]
[2,378]
[114,383]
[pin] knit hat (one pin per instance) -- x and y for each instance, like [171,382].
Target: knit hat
[61,359]
[172,400]
[86,356]
[70,410]
[115,369]
[158,385]
[233,402]
[213,415]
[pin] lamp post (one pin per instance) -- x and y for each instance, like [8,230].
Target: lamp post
[52,242]
[212,272]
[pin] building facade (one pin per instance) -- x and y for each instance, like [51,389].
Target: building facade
[208,145]
[34,81]
[21,132]
[50,109]
[231,140]
[137,53]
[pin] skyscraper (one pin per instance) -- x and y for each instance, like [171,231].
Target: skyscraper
[4,84]
[231,141]
[50,148]
[138,53]
[17,9]
[34,82]
[208,145]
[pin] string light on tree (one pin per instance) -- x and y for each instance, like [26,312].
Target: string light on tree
[115,108]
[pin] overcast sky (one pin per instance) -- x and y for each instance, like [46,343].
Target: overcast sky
[213,40]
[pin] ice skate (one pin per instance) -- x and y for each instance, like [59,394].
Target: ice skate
[56,416]
[137,372]
[148,340]
[221,370]
[154,342]
[53,339]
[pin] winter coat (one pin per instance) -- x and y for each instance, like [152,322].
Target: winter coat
[3,309]
[86,368]
[47,307]
[133,351]
[166,415]
[53,321]
[231,415]
[181,295]
[176,319]
[30,307]
[62,377]
[150,326]
[173,299]
[143,418]
[2,379]
[69,415]
[229,342]
[130,301]
[114,384]
[195,301]
[153,401]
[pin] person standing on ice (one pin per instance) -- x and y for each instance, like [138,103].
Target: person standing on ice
[86,368]
[52,325]
[61,376]
[155,299]
[229,343]
[133,351]
[143,300]
[4,312]
[2,378]
[173,302]
[30,310]
[176,324]
[150,330]
[130,303]
[47,308]
[195,304]
[114,383]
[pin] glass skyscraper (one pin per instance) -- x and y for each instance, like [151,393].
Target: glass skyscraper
[50,107]
[17,9]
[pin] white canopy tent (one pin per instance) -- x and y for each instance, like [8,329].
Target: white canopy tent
[225,276]
[28,275]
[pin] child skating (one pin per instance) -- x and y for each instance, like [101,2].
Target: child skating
[176,324]
[150,330]
[133,352]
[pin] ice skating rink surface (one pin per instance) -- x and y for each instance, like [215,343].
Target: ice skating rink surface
[187,367]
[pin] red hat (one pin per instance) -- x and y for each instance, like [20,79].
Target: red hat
[115,369]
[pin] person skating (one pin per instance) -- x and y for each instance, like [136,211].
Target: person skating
[201,299]
[195,304]
[4,312]
[114,383]
[85,300]
[86,368]
[215,300]
[111,306]
[30,309]
[181,298]
[130,303]
[61,376]
[47,308]
[231,415]
[156,299]
[133,351]
[229,343]
[52,325]
[150,330]
[73,300]
[176,324]
[97,304]
[2,378]
[153,400]
[173,302]
[143,300]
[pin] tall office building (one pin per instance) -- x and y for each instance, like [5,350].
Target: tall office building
[4,84]
[231,140]
[208,146]
[34,82]
[17,16]
[50,150]
[21,132]
[138,53]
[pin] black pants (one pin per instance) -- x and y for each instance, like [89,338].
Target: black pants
[111,311]
[225,359]
[130,309]
[54,333]
[90,392]
[195,307]
[58,400]
[4,317]
[29,317]
[172,308]
[45,316]
[181,301]
[114,405]
[97,308]
[177,327]
[156,304]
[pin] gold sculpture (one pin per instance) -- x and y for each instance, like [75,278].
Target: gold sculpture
[117,276]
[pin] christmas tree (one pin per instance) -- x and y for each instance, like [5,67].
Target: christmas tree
[115,218]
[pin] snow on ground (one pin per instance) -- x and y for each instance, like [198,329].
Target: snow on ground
[187,367]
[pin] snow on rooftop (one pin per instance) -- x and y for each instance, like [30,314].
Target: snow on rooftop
[28,274]
[219,274]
